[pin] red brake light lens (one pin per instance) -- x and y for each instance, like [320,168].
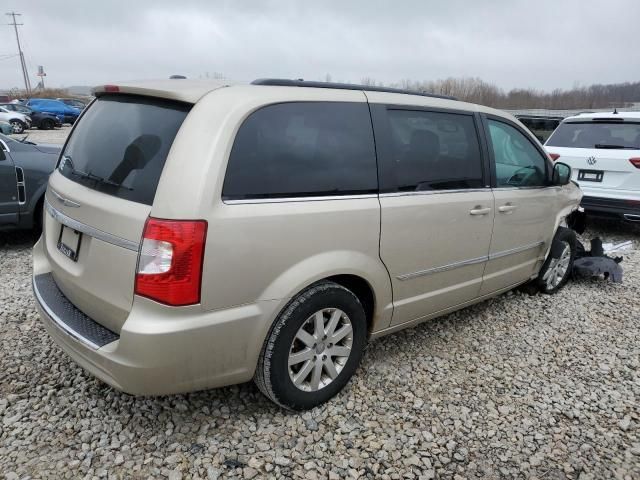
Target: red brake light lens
[111,88]
[170,261]
[554,156]
[635,162]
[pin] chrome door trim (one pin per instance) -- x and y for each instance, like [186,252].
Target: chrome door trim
[443,268]
[4,146]
[21,184]
[434,192]
[471,261]
[321,198]
[91,231]
[513,251]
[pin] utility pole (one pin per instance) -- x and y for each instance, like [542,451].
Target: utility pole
[23,64]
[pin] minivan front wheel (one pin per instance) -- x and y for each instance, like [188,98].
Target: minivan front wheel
[313,348]
[556,270]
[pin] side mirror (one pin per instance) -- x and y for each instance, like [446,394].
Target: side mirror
[561,174]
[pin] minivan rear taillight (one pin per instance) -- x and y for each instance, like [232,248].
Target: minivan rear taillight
[635,162]
[170,261]
[554,156]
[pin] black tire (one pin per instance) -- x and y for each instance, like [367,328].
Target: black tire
[564,237]
[47,124]
[18,126]
[272,374]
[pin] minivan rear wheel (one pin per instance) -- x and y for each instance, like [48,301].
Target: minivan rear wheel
[313,348]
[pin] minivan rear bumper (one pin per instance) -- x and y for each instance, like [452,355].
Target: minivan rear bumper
[159,350]
[626,209]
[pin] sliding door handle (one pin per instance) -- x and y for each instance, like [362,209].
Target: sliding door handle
[508,208]
[479,210]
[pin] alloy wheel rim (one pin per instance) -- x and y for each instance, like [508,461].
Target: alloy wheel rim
[320,349]
[558,268]
[17,127]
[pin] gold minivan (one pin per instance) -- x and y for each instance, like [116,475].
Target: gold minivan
[199,235]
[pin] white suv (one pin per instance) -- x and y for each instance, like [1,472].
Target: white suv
[603,149]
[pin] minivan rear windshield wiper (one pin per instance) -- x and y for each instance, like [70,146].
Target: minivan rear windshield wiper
[98,179]
[616,147]
[91,176]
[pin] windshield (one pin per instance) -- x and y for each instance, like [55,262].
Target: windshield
[624,135]
[120,145]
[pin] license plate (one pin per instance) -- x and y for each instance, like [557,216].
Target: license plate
[590,175]
[69,242]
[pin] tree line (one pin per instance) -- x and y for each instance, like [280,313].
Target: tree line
[476,90]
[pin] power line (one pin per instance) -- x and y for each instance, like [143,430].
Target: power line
[25,75]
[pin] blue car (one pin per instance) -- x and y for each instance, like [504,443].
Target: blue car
[45,105]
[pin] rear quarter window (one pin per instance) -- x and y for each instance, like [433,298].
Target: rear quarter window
[120,145]
[303,149]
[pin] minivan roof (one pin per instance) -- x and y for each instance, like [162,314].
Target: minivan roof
[190,91]
[183,90]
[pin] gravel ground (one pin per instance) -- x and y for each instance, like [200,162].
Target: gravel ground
[57,135]
[520,386]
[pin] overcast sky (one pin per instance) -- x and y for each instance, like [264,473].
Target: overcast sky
[513,43]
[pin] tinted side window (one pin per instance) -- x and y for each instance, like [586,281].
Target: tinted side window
[518,163]
[433,151]
[303,149]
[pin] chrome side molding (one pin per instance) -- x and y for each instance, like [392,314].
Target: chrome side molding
[443,268]
[471,261]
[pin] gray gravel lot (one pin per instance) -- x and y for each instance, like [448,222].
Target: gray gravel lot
[57,135]
[543,387]
[517,387]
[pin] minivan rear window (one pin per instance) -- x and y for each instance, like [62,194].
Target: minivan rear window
[303,149]
[624,135]
[121,143]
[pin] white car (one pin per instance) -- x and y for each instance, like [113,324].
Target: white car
[603,150]
[19,121]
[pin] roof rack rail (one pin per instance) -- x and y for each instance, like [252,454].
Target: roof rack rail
[285,82]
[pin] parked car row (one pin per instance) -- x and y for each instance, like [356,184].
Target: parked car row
[41,113]
[40,120]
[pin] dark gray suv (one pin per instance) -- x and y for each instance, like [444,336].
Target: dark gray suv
[24,170]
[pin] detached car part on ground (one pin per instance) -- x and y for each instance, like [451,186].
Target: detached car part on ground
[24,170]
[200,235]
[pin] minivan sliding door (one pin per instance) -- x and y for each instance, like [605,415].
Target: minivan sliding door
[437,210]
